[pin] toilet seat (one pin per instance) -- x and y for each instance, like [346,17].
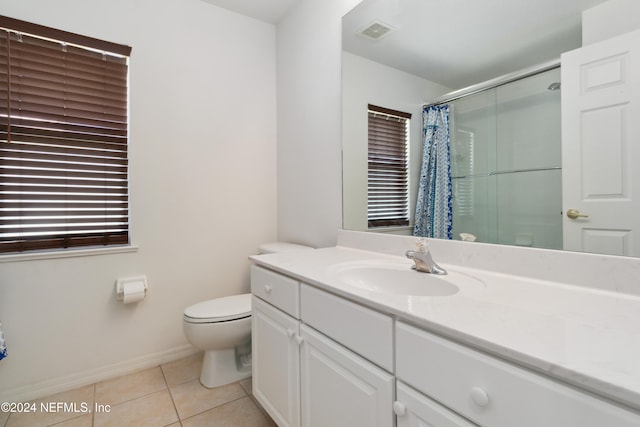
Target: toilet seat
[216,310]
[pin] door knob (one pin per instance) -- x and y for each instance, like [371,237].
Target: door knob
[575,214]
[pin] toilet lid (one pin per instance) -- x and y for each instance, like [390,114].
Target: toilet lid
[220,309]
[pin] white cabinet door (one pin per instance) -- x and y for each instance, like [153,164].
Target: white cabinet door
[601,146]
[276,363]
[416,410]
[340,388]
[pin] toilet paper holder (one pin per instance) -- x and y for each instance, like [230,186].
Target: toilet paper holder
[121,283]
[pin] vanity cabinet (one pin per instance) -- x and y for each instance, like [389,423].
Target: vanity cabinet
[344,346]
[339,388]
[492,392]
[305,371]
[322,360]
[275,336]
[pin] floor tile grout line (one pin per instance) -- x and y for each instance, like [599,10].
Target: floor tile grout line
[183,381]
[246,392]
[166,387]
[215,407]
[68,419]
[173,402]
[259,406]
[93,413]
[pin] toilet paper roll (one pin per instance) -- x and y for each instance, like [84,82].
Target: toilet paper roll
[133,292]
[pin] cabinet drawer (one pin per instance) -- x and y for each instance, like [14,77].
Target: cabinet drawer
[416,410]
[495,393]
[278,290]
[358,328]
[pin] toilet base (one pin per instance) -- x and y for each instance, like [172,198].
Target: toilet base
[220,367]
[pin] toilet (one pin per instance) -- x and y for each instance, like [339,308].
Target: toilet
[222,328]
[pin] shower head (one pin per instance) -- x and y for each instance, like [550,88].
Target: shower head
[554,86]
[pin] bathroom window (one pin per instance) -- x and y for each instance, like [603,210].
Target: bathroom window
[388,168]
[63,139]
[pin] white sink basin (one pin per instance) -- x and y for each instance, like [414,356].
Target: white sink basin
[398,278]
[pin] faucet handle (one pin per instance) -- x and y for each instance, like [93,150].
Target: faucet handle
[421,245]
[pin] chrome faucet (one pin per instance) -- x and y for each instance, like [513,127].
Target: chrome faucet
[424,261]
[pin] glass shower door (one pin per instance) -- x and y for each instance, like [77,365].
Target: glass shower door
[505,163]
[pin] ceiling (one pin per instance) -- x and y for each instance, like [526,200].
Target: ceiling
[458,43]
[263,10]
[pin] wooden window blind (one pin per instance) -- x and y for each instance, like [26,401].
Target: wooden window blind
[388,168]
[63,139]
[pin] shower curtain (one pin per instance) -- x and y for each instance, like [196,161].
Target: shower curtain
[433,206]
[3,347]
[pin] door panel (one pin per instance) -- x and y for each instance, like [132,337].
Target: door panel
[601,147]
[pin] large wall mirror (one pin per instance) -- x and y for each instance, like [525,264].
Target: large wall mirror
[496,64]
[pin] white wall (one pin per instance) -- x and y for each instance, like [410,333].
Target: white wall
[309,122]
[202,184]
[366,82]
[610,19]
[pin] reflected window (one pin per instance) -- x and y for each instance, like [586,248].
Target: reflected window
[388,167]
[462,172]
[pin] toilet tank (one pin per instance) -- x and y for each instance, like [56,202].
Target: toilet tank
[277,247]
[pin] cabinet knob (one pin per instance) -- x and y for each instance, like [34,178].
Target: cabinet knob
[268,288]
[479,396]
[299,340]
[290,332]
[399,408]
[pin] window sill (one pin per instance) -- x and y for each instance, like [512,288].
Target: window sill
[393,229]
[72,253]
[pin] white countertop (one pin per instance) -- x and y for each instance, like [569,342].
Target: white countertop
[586,337]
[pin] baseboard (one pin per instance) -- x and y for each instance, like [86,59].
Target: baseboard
[80,379]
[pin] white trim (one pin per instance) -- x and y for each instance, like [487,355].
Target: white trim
[81,379]
[63,253]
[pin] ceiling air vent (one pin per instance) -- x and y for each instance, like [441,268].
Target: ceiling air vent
[375,30]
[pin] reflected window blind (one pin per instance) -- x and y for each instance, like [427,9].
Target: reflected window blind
[63,139]
[388,167]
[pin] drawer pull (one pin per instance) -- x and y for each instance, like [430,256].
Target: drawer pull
[268,288]
[479,396]
[290,332]
[399,408]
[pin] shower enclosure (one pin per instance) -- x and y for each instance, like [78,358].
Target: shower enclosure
[506,163]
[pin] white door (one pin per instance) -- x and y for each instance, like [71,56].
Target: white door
[417,410]
[276,363]
[340,388]
[601,147]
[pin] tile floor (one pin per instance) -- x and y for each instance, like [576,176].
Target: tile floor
[168,395]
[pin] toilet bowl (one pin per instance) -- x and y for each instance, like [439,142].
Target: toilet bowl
[222,328]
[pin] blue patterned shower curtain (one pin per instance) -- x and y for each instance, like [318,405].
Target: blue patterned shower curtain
[3,347]
[433,205]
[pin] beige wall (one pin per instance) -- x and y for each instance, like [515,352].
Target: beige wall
[202,185]
[309,122]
